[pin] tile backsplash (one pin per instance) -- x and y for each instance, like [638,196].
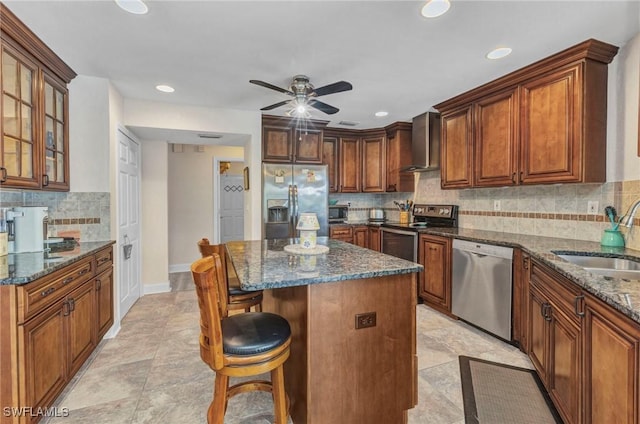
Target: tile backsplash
[547,210]
[86,213]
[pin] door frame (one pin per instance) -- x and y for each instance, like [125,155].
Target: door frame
[216,195]
[119,253]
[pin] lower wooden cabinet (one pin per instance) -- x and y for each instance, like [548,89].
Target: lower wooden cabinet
[57,321]
[374,239]
[341,232]
[361,236]
[521,267]
[434,283]
[611,365]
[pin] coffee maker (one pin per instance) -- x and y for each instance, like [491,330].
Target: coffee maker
[27,228]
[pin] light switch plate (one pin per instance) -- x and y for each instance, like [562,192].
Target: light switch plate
[496,205]
[592,207]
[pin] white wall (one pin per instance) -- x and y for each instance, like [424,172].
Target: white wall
[89,134]
[182,117]
[190,200]
[154,214]
[623,163]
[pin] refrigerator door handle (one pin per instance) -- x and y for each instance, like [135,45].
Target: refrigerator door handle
[291,207]
[295,210]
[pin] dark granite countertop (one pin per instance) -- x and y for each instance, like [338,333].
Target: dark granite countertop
[263,264]
[621,294]
[22,268]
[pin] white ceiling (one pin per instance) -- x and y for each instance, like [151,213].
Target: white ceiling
[396,60]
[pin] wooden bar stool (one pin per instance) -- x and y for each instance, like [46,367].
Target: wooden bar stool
[236,298]
[239,345]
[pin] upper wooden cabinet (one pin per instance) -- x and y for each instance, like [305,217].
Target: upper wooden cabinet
[330,158]
[34,148]
[398,157]
[542,124]
[292,141]
[349,167]
[374,173]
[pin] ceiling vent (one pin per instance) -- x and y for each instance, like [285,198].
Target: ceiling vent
[210,135]
[349,123]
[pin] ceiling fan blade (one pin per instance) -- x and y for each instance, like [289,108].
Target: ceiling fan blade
[336,87]
[273,106]
[323,107]
[271,86]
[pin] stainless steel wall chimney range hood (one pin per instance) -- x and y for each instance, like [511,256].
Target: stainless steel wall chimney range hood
[425,143]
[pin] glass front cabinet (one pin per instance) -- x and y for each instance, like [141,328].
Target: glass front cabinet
[34,148]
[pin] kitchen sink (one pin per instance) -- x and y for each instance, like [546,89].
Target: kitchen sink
[609,267]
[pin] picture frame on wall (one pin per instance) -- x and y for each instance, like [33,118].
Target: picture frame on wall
[246,177]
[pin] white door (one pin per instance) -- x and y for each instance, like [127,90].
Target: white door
[231,207]
[128,222]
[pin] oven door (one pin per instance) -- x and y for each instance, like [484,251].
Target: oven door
[400,243]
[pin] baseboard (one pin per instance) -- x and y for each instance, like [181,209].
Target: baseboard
[180,268]
[164,287]
[113,331]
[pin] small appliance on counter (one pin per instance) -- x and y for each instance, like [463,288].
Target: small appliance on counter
[338,214]
[377,215]
[27,228]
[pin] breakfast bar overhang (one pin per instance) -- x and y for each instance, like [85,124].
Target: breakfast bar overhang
[352,314]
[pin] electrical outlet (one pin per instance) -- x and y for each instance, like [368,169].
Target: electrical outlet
[348,204]
[365,320]
[592,207]
[496,205]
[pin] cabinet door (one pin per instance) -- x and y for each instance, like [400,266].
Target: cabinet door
[435,280]
[104,301]
[551,128]
[539,316]
[496,140]
[565,366]
[277,144]
[361,236]
[456,149]
[398,156]
[307,146]
[19,166]
[611,355]
[349,171]
[330,158]
[44,341]
[373,164]
[374,239]
[55,171]
[82,328]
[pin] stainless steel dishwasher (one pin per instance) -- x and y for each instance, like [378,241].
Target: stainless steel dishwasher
[481,286]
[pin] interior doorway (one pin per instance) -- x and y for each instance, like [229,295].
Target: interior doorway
[228,200]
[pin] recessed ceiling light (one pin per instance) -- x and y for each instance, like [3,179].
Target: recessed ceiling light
[137,7]
[381,114]
[435,8]
[499,53]
[165,88]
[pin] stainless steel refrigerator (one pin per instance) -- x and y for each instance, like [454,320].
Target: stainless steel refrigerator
[288,191]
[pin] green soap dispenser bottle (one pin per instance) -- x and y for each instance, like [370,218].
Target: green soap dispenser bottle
[612,238]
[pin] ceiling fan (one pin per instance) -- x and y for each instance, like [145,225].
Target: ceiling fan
[304,94]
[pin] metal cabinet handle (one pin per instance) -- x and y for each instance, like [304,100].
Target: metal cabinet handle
[3,179]
[47,292]
[83,271]
[98,284]
[521,174]
[45,180]
[525,263]
[66,308]
[545,310]
[576,303]
[72,304]
[67,280]
[513,177]
[102,260]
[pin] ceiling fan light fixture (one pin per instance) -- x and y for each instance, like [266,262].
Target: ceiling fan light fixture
[435,8]
[499,53]
[381,114]
[137,7]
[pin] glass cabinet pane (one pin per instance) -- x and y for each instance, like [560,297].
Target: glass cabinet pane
[48,99]
[26,122]
[11,115]
[10,155]
[49,139]
[60,170]
[59,137]
[59,106]
[26,79]
[49,166]
[27,160]
[9,74]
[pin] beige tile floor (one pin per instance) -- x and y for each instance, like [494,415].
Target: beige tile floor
[151,371]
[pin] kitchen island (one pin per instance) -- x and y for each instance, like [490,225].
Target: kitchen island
[352,316]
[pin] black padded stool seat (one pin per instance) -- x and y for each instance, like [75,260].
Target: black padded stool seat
[252,333]
[234,291]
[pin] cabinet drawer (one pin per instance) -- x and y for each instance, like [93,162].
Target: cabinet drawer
[563,293]
[341,232]
[43,292]
[104,260]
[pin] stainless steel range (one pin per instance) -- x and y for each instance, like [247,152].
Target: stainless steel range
[401,240]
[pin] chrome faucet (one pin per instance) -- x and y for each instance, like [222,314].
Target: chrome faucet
[627,219]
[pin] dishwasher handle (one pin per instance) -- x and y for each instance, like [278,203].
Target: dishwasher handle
[483,249]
